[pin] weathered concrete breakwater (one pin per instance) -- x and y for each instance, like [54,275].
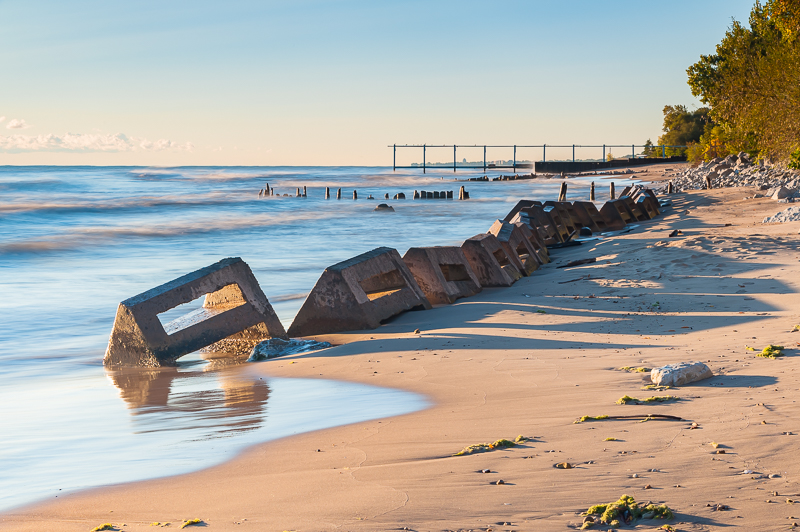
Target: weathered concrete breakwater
[739,171]
[362,292]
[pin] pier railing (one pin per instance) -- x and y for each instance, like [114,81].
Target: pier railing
[515,164]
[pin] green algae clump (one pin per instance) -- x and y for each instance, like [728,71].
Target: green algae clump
[590,418]
[104,526]
[624,511]
[771,351]
[483,447]
[610,439]
[190,522]
[634,370]
[628,400]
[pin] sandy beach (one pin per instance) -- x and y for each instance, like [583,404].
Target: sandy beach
[530,360]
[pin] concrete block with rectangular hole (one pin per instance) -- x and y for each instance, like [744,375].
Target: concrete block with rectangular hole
[539,221]
[235,309]
[359,293]
[443,273]
[516,246]
[588,215]
[637,213]
[535,241]
[489,261]
[559,223]
[565,212]
[521,204]
[616,214]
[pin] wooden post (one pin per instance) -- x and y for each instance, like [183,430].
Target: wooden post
[355,194]
[416,194]
[327,193]
[670,188]
[611,190]
[305,191]
[708,182]
[298,192]
[267,191]
[386,196]
[591,192]
[461,193]
[562,194]
[339,194]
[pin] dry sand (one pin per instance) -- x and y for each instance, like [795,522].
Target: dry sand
[530,360]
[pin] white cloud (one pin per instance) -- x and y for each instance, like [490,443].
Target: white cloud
[80,142]
[17,123]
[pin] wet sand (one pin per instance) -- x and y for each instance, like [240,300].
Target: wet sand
[529,360]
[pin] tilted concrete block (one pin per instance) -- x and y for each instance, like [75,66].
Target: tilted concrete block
[535,241]
[637,213]
[443,273]
[359,293]
[645,204]
[586,211]
[559,223]
[616,214]
[538,220]
[521,204]
[564,210]
[516,246]
[489,261]
[680,374]
[235,310]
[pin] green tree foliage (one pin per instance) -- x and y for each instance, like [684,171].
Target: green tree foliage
[649,150]
[752,84]
[682,127]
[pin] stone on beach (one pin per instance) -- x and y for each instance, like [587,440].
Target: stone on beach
[680,374]
[792,214]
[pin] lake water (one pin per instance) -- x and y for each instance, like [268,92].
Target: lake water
[75,241]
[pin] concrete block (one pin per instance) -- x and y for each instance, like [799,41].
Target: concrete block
[536,242]
[645,204]
[521,204]
[564,209]
[516,246]
[359,293]
[616,214]
[637,213]
[489,261]
[235,310]
[586,210]
[559,223]
[539,221]
[443,273]
[680,374]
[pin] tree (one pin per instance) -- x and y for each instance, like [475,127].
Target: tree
[682,127]
[752,82]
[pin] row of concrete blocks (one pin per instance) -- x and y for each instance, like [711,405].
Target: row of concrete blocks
[557,222]
[359,293]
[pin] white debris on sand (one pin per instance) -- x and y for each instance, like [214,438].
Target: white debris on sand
[792,214]
[739,171]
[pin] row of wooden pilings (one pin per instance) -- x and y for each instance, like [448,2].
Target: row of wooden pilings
[462,194]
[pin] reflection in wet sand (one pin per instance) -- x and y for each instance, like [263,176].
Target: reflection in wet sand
[218,399]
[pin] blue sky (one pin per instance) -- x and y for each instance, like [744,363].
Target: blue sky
[334,83]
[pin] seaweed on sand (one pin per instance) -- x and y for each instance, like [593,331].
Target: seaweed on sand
[499,444]
[191,522]
[628,400]
[624,511]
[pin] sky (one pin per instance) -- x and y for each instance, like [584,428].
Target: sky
[334,83]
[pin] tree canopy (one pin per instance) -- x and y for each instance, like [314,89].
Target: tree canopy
[752,84]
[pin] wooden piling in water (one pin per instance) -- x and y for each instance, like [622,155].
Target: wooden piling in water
[591,192]
[339,194]
[327,193]
[355,194]
[562,194]
[670,188]
[267,191]
[298,192]
[305,191]
[611,190]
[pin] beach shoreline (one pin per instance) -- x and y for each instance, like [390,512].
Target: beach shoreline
[529,360]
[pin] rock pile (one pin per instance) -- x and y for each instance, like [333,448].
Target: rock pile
[792,214]
[739,171]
